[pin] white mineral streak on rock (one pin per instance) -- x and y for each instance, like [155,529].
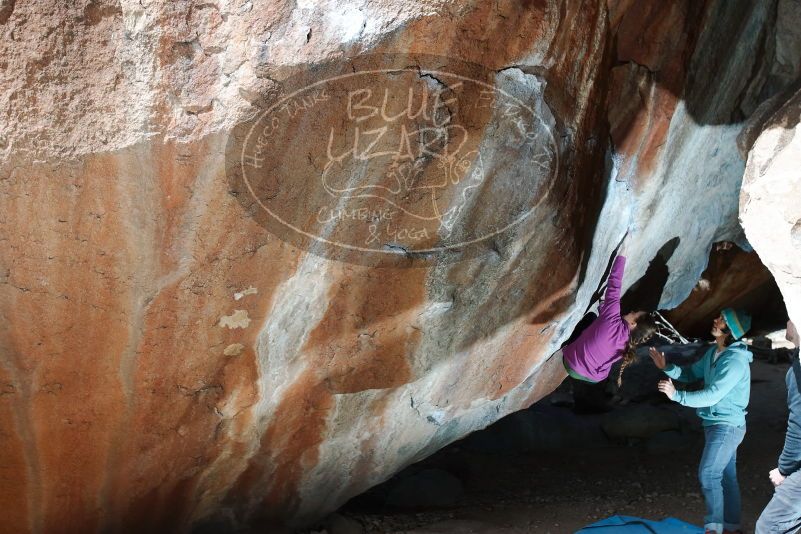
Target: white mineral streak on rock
[693,154]
[770,204]
[298,306]
[346,449]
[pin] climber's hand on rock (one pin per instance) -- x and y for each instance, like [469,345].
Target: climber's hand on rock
[658,358]
[621,251]
[667,387]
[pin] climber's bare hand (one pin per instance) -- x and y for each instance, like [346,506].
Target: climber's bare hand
[658,358]
[667,387]
[624,245]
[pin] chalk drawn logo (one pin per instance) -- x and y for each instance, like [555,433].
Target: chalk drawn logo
[396,159]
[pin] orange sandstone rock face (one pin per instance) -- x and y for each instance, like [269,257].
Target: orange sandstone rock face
[168,358]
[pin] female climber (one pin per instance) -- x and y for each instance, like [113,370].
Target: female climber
[611,336]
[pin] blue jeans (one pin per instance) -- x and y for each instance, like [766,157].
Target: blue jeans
[718,476]
[782,515]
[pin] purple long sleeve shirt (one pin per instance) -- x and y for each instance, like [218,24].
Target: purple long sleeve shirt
[592,354]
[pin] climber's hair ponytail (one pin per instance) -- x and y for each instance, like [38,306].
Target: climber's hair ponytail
[645,329]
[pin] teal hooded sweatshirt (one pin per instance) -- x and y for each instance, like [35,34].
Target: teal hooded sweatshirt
[727,385]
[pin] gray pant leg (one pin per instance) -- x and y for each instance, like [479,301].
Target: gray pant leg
[782,515]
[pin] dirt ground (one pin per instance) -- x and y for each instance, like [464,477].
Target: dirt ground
[562,491]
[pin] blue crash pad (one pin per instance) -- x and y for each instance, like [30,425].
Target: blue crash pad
[622,524]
